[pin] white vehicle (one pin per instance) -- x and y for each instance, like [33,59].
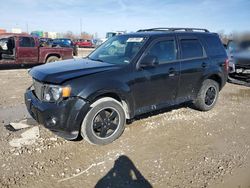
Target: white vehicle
[111,34]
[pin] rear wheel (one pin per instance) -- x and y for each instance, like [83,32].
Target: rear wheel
[104,122]
[52,59]
[207,96]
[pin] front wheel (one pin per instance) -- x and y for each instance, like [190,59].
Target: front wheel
[104,122]
[207,96]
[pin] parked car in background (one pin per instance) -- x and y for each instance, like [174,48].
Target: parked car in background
[112,34]
[45,41]
[97,42]
[127,76]
[65,43]
[239,55]
[84,43]
[22,49]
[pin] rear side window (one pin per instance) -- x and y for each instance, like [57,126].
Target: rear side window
[214,45]
[191,48]
[26,42]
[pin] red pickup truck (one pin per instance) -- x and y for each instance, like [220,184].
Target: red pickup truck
[84,43]
[22,49]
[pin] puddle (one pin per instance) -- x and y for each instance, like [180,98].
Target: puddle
[13,113]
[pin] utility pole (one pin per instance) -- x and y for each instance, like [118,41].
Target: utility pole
[80,27]
[27,27]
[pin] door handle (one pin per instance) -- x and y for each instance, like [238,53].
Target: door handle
[171,72]
[204,65]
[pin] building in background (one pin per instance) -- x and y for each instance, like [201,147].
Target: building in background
[52,35]
[16,30]
[2,31]
[37,33]
[44,34]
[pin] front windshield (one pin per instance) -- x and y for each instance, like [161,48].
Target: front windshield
[120,49]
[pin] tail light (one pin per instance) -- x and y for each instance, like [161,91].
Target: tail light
[227,65]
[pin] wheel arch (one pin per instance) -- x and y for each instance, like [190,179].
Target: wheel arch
[216,78]
[116,96]
[53,54]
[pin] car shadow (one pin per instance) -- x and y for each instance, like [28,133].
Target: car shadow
[17,66]
[124,174]
[153,113]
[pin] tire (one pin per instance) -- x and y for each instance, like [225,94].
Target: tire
[52,59]
[207,96]
[75,51]
[94,125]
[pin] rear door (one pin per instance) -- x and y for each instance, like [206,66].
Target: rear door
[27,51]
[194,63]
[157,86]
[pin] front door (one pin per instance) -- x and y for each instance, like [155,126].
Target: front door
[156,86]
[27,51]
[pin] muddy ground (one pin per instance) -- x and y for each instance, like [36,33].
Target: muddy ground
[179,147]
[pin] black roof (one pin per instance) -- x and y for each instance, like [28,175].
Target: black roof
[163,31]
[172,29]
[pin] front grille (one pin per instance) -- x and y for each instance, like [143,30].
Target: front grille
[39,87]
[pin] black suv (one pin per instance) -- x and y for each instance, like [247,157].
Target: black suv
[128,75]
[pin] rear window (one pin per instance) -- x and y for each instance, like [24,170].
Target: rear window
[214,45]
[191,48]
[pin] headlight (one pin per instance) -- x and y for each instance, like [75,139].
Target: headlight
[53,93]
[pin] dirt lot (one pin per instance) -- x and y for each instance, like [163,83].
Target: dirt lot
[179,147]
[82,52]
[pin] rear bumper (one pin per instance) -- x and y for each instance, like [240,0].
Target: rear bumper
[63,118]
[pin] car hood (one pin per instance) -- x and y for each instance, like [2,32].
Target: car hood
[61,71]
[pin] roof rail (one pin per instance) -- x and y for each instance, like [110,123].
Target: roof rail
[173,29]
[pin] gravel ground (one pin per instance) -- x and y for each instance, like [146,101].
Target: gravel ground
[178,147]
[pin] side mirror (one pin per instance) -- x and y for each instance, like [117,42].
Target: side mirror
[149,61]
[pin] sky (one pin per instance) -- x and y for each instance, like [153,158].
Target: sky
[101,16]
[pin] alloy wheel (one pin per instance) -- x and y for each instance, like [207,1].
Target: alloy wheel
[105,123]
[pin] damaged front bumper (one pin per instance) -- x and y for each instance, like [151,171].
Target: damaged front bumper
[239,70]
[64,118]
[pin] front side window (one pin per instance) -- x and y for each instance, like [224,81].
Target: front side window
[26,42]
[165,51]
[191,48]
[120,49]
